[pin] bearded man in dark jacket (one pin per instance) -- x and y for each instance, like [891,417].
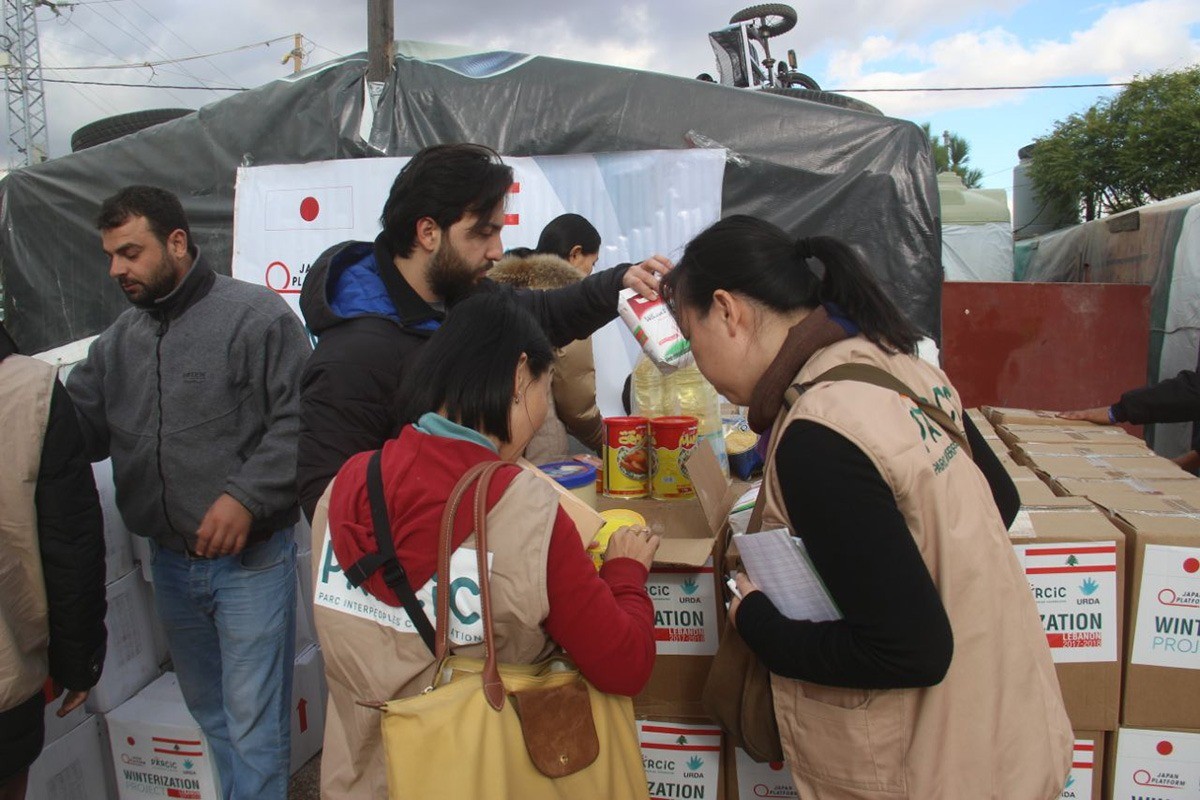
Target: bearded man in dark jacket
[372,305]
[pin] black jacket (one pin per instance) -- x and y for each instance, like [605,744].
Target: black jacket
[71,541]
[369,322]
[1173,400]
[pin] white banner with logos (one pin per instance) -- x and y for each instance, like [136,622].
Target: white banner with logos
[642,203]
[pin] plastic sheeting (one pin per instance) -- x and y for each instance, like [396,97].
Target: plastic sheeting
[810,168]
[1157,245]
[978,252]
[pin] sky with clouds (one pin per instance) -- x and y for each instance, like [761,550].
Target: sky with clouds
[844,44]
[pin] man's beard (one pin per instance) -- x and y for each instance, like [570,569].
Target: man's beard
[159,285]
[450,276]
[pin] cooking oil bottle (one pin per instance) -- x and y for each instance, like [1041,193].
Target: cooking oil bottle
[682,392]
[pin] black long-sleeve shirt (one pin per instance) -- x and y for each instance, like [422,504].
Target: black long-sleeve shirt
[1173,400]
[894,632]
[71,542]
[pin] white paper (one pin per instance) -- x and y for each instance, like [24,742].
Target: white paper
[1156,764]
[778,564]
[755,780]
[1075,587]
[1167,628]
[680,760]
[685,611]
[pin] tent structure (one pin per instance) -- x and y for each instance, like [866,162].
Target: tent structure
[808,167]
[976,232]
[1156,245]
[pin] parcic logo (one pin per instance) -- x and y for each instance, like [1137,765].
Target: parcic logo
[1089,587]
[690,586]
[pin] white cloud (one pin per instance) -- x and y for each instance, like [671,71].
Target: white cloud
[1137,38]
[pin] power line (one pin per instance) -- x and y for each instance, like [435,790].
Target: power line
[88,34]
[152,64]
[186,43]
[986,88]
[148,85]
[150,43]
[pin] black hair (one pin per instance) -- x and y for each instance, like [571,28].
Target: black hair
[162,210]
[444,182]
[566,231]
[467,367]
[754,258]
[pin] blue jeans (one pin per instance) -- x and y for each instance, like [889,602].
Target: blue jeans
[231,627]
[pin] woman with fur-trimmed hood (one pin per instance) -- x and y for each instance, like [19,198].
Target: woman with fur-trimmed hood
[573,390]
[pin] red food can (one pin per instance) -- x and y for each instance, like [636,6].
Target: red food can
[626,458]
[672,440]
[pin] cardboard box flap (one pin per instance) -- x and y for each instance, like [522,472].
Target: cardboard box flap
[683,552]
[1161,524]
[1081,524]
[713,489]
[1025,416]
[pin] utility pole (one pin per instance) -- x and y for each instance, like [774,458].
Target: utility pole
[296,54]
[381,34]
[24,90]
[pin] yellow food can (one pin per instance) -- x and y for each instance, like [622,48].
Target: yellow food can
[626,462]
[672,440]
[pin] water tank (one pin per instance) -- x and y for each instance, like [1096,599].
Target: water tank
[1032,217]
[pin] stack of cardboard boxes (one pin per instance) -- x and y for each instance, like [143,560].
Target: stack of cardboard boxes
[1127,524]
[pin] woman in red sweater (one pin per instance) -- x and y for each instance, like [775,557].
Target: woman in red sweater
[481,394]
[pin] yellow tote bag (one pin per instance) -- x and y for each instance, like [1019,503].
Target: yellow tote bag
[524,731]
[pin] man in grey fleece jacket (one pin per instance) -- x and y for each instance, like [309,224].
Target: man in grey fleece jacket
[194,392]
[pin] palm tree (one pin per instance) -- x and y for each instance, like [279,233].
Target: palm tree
[951,153]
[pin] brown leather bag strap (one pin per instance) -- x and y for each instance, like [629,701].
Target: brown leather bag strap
[868,373]
[493,686]
[445,546]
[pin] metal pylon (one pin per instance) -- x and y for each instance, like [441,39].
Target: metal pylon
[24,90]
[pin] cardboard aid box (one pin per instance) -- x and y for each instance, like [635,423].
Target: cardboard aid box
[1074,560]
[1029,452]
[1109,467]
[684,587]
[1162,671]
[309,696]
[1086,778]
[1014,434]
[131,661]
[158,750]
[1154,765]
[1026,416]
[72,767]
[118,544]
[747,779]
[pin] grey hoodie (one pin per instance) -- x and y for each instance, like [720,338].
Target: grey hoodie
[193,398]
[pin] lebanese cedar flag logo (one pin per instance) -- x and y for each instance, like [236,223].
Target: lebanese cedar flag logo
[328,208]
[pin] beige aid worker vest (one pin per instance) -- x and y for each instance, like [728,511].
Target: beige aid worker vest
[995,727]
[25,388]
[369,657]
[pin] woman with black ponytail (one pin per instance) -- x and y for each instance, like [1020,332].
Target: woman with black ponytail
[937,681]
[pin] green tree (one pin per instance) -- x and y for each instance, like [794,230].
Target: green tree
[951,153]
[1137,147]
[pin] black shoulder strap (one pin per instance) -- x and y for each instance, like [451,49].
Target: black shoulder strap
[385,557]
[867,373]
